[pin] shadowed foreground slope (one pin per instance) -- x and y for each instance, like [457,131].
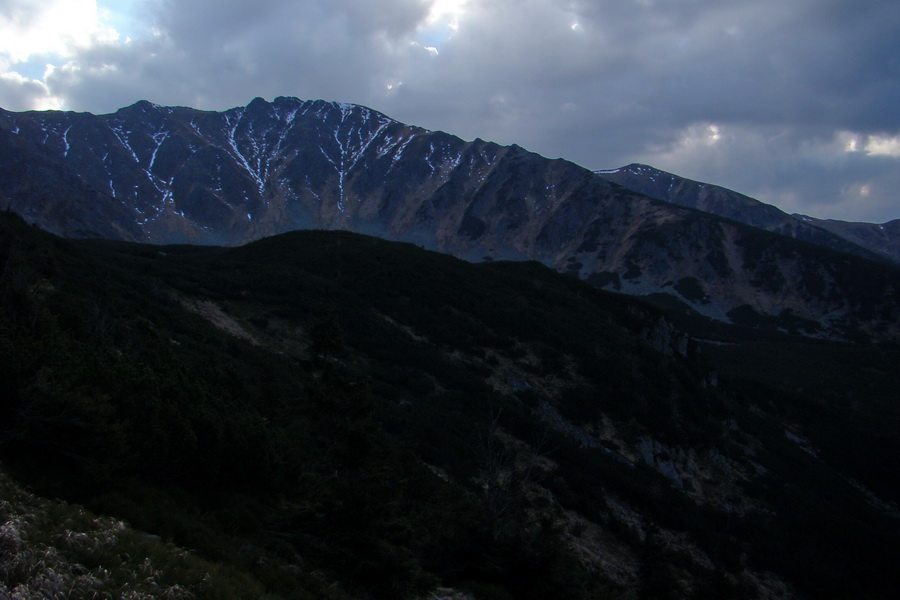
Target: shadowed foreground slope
[334,415]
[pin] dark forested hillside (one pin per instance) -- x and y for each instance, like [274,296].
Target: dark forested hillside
[330,415]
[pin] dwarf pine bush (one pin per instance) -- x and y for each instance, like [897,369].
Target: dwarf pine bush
[51,549]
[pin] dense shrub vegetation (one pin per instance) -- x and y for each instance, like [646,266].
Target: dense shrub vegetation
[329,415]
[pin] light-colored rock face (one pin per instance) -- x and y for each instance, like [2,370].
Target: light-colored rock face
[177,175]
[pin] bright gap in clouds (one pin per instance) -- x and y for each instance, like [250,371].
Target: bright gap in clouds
[38,36]
[55,28]
[447,11]
[440,24]
[122,15]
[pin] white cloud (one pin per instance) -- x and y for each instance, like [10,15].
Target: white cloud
[872,145]
[51,27]
[39,36]
[446,12]
[882,145]
[25,93]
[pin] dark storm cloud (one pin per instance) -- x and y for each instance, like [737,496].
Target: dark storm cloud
[763,96]
[220,54]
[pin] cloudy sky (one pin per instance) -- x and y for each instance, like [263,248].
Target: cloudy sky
[794,102]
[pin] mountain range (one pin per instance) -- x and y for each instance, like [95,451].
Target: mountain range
[177,175]
[299,349]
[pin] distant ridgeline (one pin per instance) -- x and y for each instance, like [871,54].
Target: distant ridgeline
[179,175]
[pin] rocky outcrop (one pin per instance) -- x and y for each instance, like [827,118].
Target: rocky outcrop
[666,338]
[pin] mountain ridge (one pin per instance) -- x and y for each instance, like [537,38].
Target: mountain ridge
[855,238]
[178,175]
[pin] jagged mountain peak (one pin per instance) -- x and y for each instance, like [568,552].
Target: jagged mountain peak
[141,106]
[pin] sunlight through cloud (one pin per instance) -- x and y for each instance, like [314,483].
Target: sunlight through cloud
[446,12]
[38,37]
[440,24]
[52,28]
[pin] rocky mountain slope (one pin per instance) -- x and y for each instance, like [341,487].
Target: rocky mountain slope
[170,174]
[868,240]
[883,238]
[328,415]
[49,193]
